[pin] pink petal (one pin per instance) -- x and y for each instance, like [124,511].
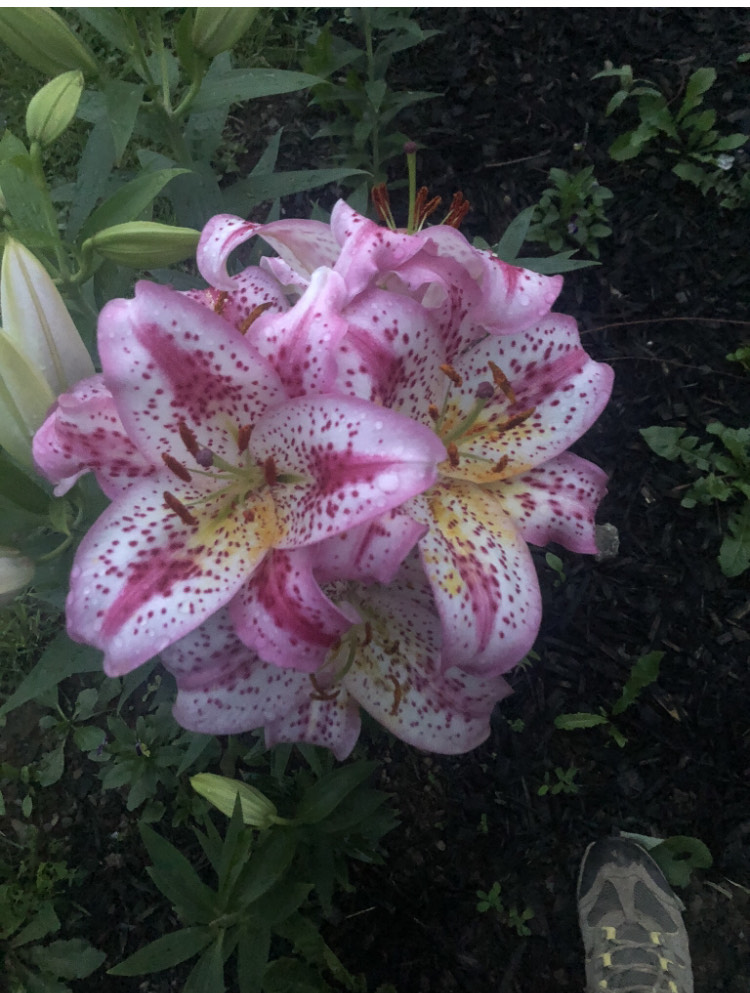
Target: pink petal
[398,678]
[354,461]
[251,289]
[83,433]
[560,389]
[556,501]
[371,552]
[143,577]
[300,344]
[304,245]
[284,616]
[482,577]
[244,694]
[169,361]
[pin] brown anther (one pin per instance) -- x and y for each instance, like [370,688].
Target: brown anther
[451,373]
[459,208]
[368,634]
[188,438]
[515,420]
[452,454]
[176,467]
[178,508]
[218,300]
[253,316]
[502,382]
[501,465]
[320,693]
[381,201]
[269,470]
[433,412]
[423,207]
[243,437]
[398,693]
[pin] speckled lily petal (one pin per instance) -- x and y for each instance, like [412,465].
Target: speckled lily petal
[251,288]
[84,433]
[400,680]
[482,577]
[143,577]
[304,245]
[556,501]
[169,361]
[300,345]
[284,616]
[355,461]
[560,389]
[371,552]
[249,694]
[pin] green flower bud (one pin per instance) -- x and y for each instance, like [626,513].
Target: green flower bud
[41,37]
[143,244]
[217,29]
[52,109]
[15,573]
[257,809]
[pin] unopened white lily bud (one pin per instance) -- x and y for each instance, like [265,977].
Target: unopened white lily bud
[257,810]
[52,109]
[144,244]
[16,572]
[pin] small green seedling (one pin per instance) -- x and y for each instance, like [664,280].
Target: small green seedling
[513,917]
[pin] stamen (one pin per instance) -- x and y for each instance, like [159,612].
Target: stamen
[423,208]
[459,208]
[515,420]
[189,439]
[501,465]
[176,467]
[433,412]
[398,693]
[485,391]
[502,381]
[382,203]
[320,693]
[243,437]
[269,471]
[253,316]
[452,454]
[451,373]
[178,508]
[204,457]
[218,299]
[368,634]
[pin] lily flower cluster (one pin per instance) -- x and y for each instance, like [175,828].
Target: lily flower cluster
[324,472]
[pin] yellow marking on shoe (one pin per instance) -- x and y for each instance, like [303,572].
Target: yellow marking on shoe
[603,984]
[673,986]
[664,963]
[610,933]
[655,937]
[607,960]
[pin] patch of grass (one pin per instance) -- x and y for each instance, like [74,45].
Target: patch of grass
[26,626]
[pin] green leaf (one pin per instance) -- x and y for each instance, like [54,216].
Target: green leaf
[514,236]
[253,949]
[730,142]
[267,865]
[701,81]
[29,206]
[123,101]
[644,672]
[61,658]
[249,84]
[679,855]
[16,486]
[671,444]
[575,722]
[92,175]
[308,942]
[73,959]
[562,262]
[256,188]
[178,881]
[734,555]
[52,766]
[129,202]
[45,922]
[208,972]
[165,953]
[319,800]
[288,975]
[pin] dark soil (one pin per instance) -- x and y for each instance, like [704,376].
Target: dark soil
[516,84]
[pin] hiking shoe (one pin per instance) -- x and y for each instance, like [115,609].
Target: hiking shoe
[632,928]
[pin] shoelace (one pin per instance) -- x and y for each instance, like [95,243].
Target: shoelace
[653,972]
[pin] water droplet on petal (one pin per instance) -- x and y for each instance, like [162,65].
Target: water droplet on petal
[75,572]
[388,482]
[378,425]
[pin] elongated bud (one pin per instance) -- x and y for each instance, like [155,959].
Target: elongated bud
[16,572]
[217,29]
[257,810]
[144,244]
[52,109]
[25,399]
[41,38]
[36,320]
